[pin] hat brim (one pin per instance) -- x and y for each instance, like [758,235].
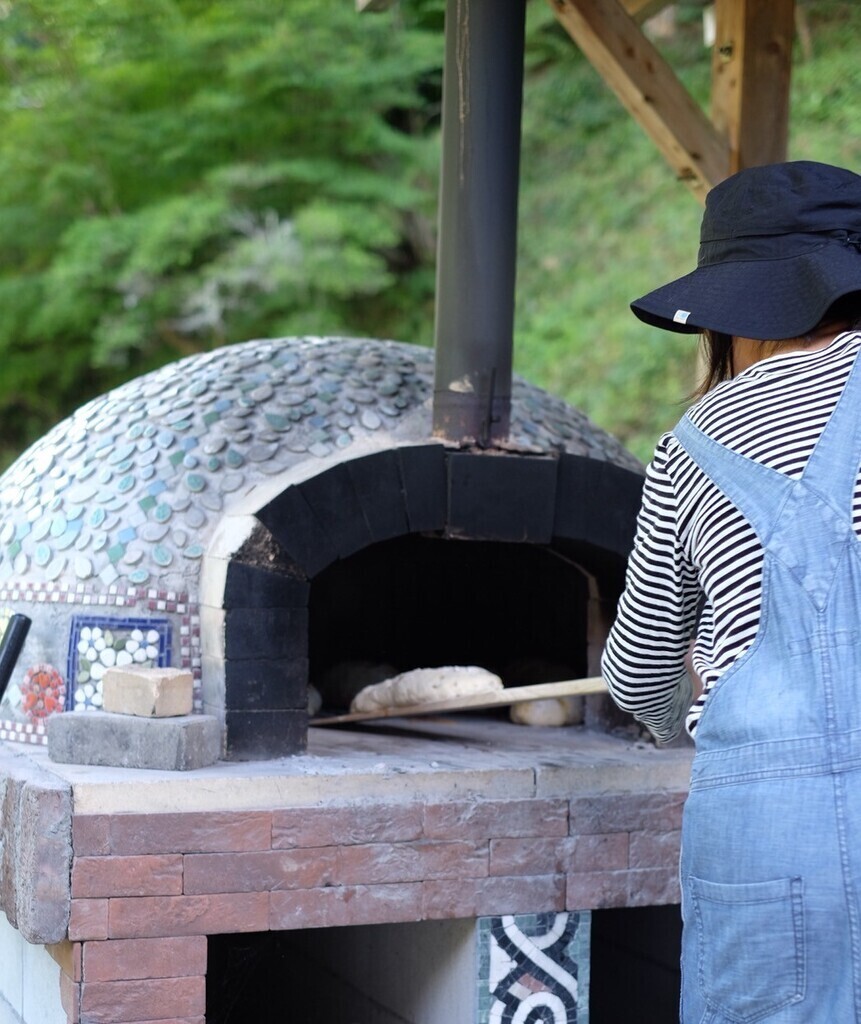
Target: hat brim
[762,299]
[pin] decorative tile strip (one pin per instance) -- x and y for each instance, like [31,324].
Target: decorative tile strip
[534,967]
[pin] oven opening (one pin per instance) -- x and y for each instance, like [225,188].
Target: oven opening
[519,610]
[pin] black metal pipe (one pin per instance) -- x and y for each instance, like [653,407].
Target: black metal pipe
[477,249]
[10,647]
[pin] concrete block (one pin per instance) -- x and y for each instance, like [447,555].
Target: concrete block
[44,860]
[127,741]
[36,837]
[148,692]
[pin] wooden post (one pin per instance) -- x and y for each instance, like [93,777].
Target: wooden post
[642,10]
[750,79]
[647,86]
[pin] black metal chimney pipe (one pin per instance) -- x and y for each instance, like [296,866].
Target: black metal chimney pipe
[476,256]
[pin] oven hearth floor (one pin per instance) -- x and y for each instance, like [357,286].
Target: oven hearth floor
[453,757]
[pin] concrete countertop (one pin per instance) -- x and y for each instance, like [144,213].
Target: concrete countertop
[399,759]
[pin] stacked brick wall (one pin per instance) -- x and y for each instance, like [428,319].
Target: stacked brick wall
[147,889]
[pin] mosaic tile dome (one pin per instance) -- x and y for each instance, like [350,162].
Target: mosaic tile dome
[129,488]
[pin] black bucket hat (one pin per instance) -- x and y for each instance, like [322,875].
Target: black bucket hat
[778,245]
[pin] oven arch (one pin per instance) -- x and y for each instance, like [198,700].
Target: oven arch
[580,508]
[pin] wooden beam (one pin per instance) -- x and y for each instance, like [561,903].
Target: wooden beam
[363,6]
[642,10]
[648,88]
[750,78]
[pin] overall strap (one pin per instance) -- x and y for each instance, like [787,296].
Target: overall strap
[806,524]
[758,492]
[833,465]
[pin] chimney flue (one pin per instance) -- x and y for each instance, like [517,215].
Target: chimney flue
[476,258]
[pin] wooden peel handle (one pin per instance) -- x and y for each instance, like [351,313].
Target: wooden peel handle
[499,698]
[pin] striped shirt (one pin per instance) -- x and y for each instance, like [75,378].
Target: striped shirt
[696,569]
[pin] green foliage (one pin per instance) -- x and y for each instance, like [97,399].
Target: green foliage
[187,173]
[183,174]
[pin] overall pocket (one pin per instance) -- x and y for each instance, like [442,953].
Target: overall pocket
[750,940]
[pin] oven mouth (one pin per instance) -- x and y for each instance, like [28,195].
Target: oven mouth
[519,611]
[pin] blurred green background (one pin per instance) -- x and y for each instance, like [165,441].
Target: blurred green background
[183,174]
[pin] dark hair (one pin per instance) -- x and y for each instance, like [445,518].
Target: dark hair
[717,360]
[717,347]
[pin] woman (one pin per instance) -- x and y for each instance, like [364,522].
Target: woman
[747,552]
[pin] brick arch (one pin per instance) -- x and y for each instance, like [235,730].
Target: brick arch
[584,507]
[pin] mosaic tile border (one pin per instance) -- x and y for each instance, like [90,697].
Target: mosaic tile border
[23,732]
[114,596]
[184,640]
[534,967]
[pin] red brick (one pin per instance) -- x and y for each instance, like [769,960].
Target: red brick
[596,890]
[346,825]
[597,852]
[174,1020]
[410,862]
[159,875]
[152,916]
[70,998]
[259,872]
[553,856]
[527,856]
[88,920]
[345,905]
[122,1002]
[651,850]
[493,896]
[485,819]
[91,835]
[653,887]
[68,956]
[627,812]
[190,833]
[133,959]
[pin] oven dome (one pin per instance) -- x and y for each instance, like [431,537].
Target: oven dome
[129,488]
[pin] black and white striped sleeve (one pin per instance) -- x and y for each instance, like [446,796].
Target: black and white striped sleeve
[644,660]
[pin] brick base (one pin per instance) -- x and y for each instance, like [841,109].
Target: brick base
[133,981]
[167,875]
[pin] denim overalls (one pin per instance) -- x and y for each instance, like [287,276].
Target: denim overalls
[771,840]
